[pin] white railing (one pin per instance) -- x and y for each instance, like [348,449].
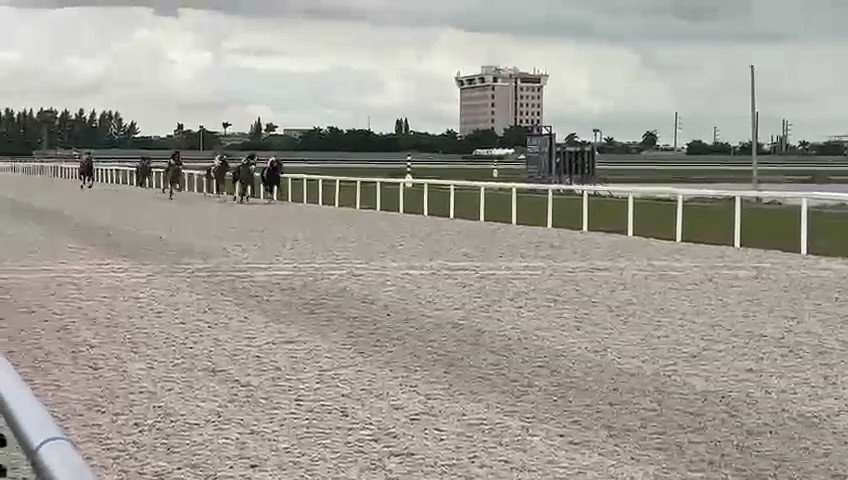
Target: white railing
[51,453]
[112,174]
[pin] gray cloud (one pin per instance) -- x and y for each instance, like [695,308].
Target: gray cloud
[717,21]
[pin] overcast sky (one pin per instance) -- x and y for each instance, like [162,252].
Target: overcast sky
[623,66]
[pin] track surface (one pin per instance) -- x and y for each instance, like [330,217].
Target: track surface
[200,339]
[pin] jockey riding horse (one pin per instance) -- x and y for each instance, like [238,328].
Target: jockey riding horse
[143,172]
[216,175]
[270,175]
[86,170]
[172,174]
[243,178]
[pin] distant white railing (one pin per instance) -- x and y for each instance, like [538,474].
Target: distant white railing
[110,174]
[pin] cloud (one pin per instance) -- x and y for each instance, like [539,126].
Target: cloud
[619,65]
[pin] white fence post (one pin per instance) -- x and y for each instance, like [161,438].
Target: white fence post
[304,190]
[321,192]
[482,204]
[737,222]
[585,210]
[337,193]
[452,200]
[804,225]
[289,189]
[358,194]
[379,196]
[550,222]
[400,196]
[630,215]
[515,205]
[678,235]
[426,199]
[276,191]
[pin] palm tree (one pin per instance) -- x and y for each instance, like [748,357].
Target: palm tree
[226,126]
[609,140]
[650,139]
[804,145]
[572,139]
[270,128]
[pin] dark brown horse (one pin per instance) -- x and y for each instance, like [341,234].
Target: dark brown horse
[86,171]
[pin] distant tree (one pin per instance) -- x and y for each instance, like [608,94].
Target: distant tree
[406,126]
[572,139]
[804,146]
[513,136]
[256,129]
[609,141]
[226,126]
[398,126]
[650,139]
[270,128]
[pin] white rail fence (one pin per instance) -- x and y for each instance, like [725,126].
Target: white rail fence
[51,453]
[112,174]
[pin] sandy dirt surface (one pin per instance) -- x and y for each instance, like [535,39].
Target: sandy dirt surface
[200,339]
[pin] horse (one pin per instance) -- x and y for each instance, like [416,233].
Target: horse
[216,176]
[86,172]
[270,176]
[171,179]
[243,179]
[143,172]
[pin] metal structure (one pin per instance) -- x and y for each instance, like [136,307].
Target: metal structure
[52,454]
[576,165]
[541,154]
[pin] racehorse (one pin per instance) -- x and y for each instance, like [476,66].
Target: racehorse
[244,178]
[218,174]
[144,172]
[86,171]
[270,176]
[173,174]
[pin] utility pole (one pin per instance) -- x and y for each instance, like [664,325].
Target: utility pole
[676,126]
[715,134]
[754,131]
[201,137]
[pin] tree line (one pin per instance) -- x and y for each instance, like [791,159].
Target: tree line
[23,131]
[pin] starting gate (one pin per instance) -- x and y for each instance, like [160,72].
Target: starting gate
[548,162]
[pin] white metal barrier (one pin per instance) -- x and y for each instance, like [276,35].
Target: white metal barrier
[112,174]
[51,453]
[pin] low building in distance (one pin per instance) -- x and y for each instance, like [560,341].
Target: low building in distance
[498,98]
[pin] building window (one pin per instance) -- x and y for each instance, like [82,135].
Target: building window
[493,96]
[493,121]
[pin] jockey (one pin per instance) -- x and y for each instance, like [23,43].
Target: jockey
[272,162]
[249,160]
[175,159]
[217,161]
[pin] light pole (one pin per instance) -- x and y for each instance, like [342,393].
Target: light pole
[754,132]
[201,137]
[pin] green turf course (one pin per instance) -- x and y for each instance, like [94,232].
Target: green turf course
[708,221]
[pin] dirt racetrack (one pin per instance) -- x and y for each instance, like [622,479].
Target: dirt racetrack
[200,339]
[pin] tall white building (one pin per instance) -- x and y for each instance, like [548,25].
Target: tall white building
[498,98]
